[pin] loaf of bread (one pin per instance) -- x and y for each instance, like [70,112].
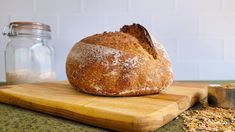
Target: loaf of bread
[125,63]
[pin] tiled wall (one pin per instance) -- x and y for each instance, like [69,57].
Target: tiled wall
[198,34]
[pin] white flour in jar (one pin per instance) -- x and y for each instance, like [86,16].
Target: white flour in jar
[27,76]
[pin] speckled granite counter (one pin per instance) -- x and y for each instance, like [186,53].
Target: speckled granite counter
[18,119]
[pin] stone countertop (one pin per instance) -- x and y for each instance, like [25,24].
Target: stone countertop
[19,119]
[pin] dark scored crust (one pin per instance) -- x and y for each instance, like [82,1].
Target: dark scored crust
[152,46]
[117,64]
[142,35]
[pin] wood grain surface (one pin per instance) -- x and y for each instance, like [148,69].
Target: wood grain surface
[142,113]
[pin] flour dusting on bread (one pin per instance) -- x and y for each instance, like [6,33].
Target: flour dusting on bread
[89,53]
[131,62]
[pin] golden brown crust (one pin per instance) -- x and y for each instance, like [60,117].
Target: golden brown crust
[117,40]
[115,64]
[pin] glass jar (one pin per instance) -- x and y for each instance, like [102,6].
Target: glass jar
[28,55]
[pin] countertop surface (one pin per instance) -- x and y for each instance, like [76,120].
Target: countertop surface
[19,119]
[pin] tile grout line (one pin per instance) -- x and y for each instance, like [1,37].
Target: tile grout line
[34,7]
[223,51]
[129,12]
[58,26]
[82,7]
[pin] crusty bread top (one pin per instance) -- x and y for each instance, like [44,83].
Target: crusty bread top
[119,41]
[148,42]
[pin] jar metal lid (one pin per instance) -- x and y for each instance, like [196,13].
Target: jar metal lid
[29,25]
[23,28]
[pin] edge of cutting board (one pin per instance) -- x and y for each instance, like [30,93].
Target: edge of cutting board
[142,123]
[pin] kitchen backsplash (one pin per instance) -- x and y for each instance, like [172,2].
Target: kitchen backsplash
[199,35]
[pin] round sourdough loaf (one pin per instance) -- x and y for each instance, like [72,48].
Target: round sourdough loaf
[124,63]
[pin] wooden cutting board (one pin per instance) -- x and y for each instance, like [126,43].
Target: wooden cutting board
[143,113]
